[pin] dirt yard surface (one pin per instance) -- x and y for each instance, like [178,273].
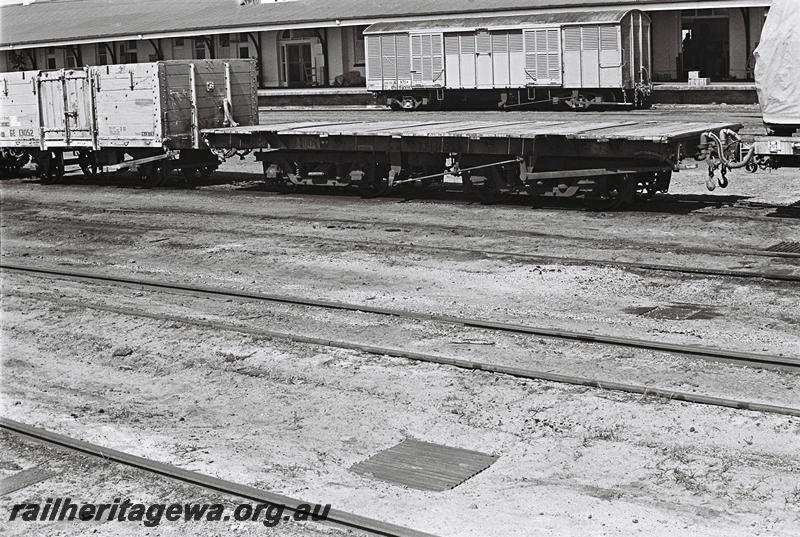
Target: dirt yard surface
[294,417]
[83,479]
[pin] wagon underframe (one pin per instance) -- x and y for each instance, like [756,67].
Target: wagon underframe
[558,158]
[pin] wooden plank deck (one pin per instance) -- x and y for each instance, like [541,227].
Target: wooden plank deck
[650,131]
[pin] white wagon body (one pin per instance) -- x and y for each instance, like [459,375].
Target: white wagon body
[123,116]
[583,51]
[155,104]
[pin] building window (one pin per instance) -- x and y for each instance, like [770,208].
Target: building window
[301,34]
[179,42]
[51,58]
[70,57]
[200,51]
[358,45]
[713,12]
[127,52]
[244,52]
[102,55]
[224,40]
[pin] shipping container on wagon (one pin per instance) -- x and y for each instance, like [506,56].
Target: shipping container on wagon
[143,116]
[583,53]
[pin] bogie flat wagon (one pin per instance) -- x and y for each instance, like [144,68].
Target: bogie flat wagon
[578,59]
[146,116]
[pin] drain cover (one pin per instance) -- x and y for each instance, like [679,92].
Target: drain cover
[679,312]
[424,466]
[23,479]
[788,247]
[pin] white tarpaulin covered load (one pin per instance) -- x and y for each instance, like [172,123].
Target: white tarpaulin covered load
[778,65]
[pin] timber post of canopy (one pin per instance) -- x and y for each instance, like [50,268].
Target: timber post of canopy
[260,69]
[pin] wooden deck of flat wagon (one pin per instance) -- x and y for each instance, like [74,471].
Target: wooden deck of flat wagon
[606,162]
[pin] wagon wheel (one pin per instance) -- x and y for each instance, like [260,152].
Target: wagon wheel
[373,182]
[285,168]
[152,174]
[87,164]
[9,164]
[206,171]
[579,103]
[53,171]
[408,191]
[493,188]
[434,105]
[189,173]
[614,199]
[608,202]
[649,185]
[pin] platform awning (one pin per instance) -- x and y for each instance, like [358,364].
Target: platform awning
[96,21]
[507,22]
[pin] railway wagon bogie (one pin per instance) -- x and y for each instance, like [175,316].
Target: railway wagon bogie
[577,59]
[128,116]
[609,163]
[602,182]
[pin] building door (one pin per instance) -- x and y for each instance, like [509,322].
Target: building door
[298,68]
[706,45]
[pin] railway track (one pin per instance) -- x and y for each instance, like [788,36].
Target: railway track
[572,260]
[535,257]
[744,358]
[335,517]
[736,357]
[611,243]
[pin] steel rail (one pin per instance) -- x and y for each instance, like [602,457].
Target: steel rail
[518,372]
[670,248]
[335,516]
[739,357]
[569,260]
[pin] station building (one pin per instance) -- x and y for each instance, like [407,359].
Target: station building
[320,43]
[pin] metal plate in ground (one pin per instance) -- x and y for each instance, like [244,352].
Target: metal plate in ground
[424,466]
[23,479]
[678,312]
[788,247]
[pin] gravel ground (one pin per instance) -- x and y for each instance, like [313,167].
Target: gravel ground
[307,247]
[85,479]
[293,418]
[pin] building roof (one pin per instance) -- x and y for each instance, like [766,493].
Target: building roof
[58,22]
[457,24]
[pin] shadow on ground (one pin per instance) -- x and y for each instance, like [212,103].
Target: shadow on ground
[253,182]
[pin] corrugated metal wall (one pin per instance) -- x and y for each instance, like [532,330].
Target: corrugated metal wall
[572,56]
[592,56]
[543,56]
[388,61]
